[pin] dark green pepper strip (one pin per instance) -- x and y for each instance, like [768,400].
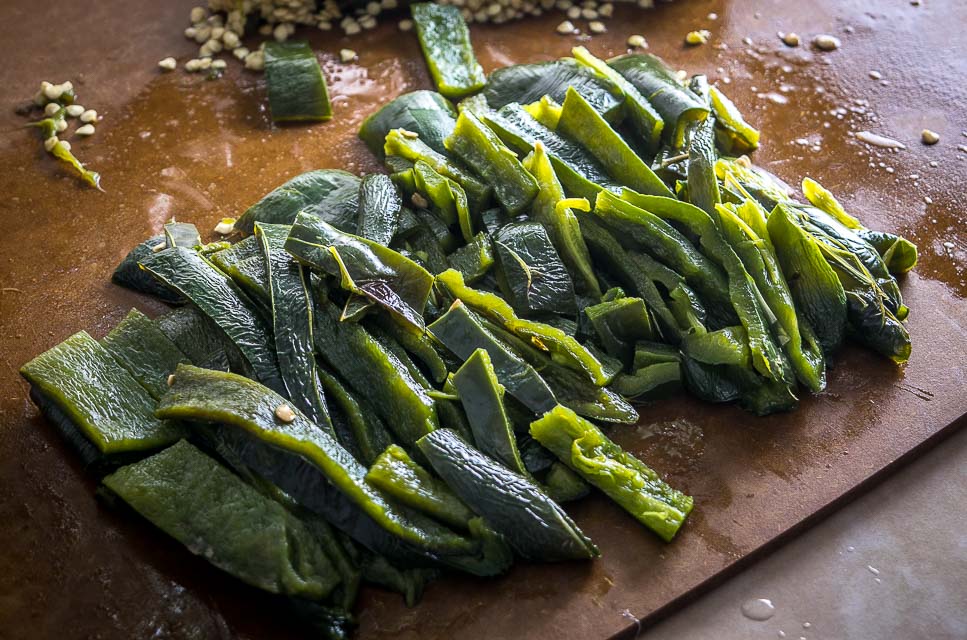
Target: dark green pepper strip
[734,134]
[379,209]
[561,347]
[138,345]
[374,371]
[816,289]
[99,397]
[244,263]
[297,88]
[579,121]
[563,485]
[480,148]
[622,477]
[422,346]
[580,173]
[743,293]
[463,334]
[758,256]
[219,298]
[647,122]
[703,187]
[482,397]
[445,40]
[130,275]
[659,85]
[652,381]
[364,267]
[425,113]
[620,324]
[407,144]
[474,259]
[292,325]
[598,403]
[305,192]
[181,234]
[728,346]
[530,272]
[218,516]
[447,197]
[397,475]
[534,525]
[556,213]
[369,434]
[199,339]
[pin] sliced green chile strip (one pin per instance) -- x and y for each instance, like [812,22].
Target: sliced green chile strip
[303,192]
[463,334]
[653,381]
[703,187]
[816,289]
[597,403]
[181,234]
[480,148]
[379,209]
[369,433]
[659,85]
[219,298]
[305,462]
[579,121]
[448,198]
[620,324]
[130,275]
[561,347]
[733,133]
[474,259]
[364,267]
[374,371]
[138,345]
[426,113]
[199,339]
[292,325]
[244,263]
[296,86]
[629,482]
[644,118]
[482,397]
[397,475]
[557,215]
[445,40]
[218,516]
[407,144]
[99,397]
[534,525]
[530,272]
[526,83]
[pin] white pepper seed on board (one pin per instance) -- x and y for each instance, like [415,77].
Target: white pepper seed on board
[826,42]
[167,64]
[85,130]
[929,137]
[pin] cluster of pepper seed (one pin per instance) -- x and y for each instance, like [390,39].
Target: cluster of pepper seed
[52,97]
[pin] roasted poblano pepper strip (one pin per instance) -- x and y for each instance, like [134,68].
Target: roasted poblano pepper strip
[463,334]
[734,135]
[99,398]
[556,213]
[758,255]
[420,345]
[200,340]
[407,144]
[563,485]
[478,147]
[899,254]
[598,403]
[621,476]
[653,380]
[546,111]
[561,347]
[292,324]
[474,259]
[374,371]
[331,192]
[526,83]
[535,526]
[482,397]
[379,209]
[703,187]
[447,197]
[659,85]
[445,40]
[580,173]
[646,121]
[306,463]
[297,88]
[397,475]
[579,121]
[425,113]
[369,434]
[364,267]
[816,289]
[620,324]
[530,271]
[244,263]
[181,234]
[129,274]
[756,181]
[138,345]
[727,346]
[218,516]
[219,298]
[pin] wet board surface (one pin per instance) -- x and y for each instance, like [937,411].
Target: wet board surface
[180,145]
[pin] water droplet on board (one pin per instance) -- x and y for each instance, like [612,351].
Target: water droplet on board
[759,609]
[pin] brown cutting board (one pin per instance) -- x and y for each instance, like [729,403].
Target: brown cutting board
[179,145]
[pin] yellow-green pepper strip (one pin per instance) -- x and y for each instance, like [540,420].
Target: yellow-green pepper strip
[48,128]
[445,40]
[579,121]
[643,116]
[734,134]
[562,348]
[580,445]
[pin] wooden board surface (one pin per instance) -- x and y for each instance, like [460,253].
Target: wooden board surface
[178,145]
